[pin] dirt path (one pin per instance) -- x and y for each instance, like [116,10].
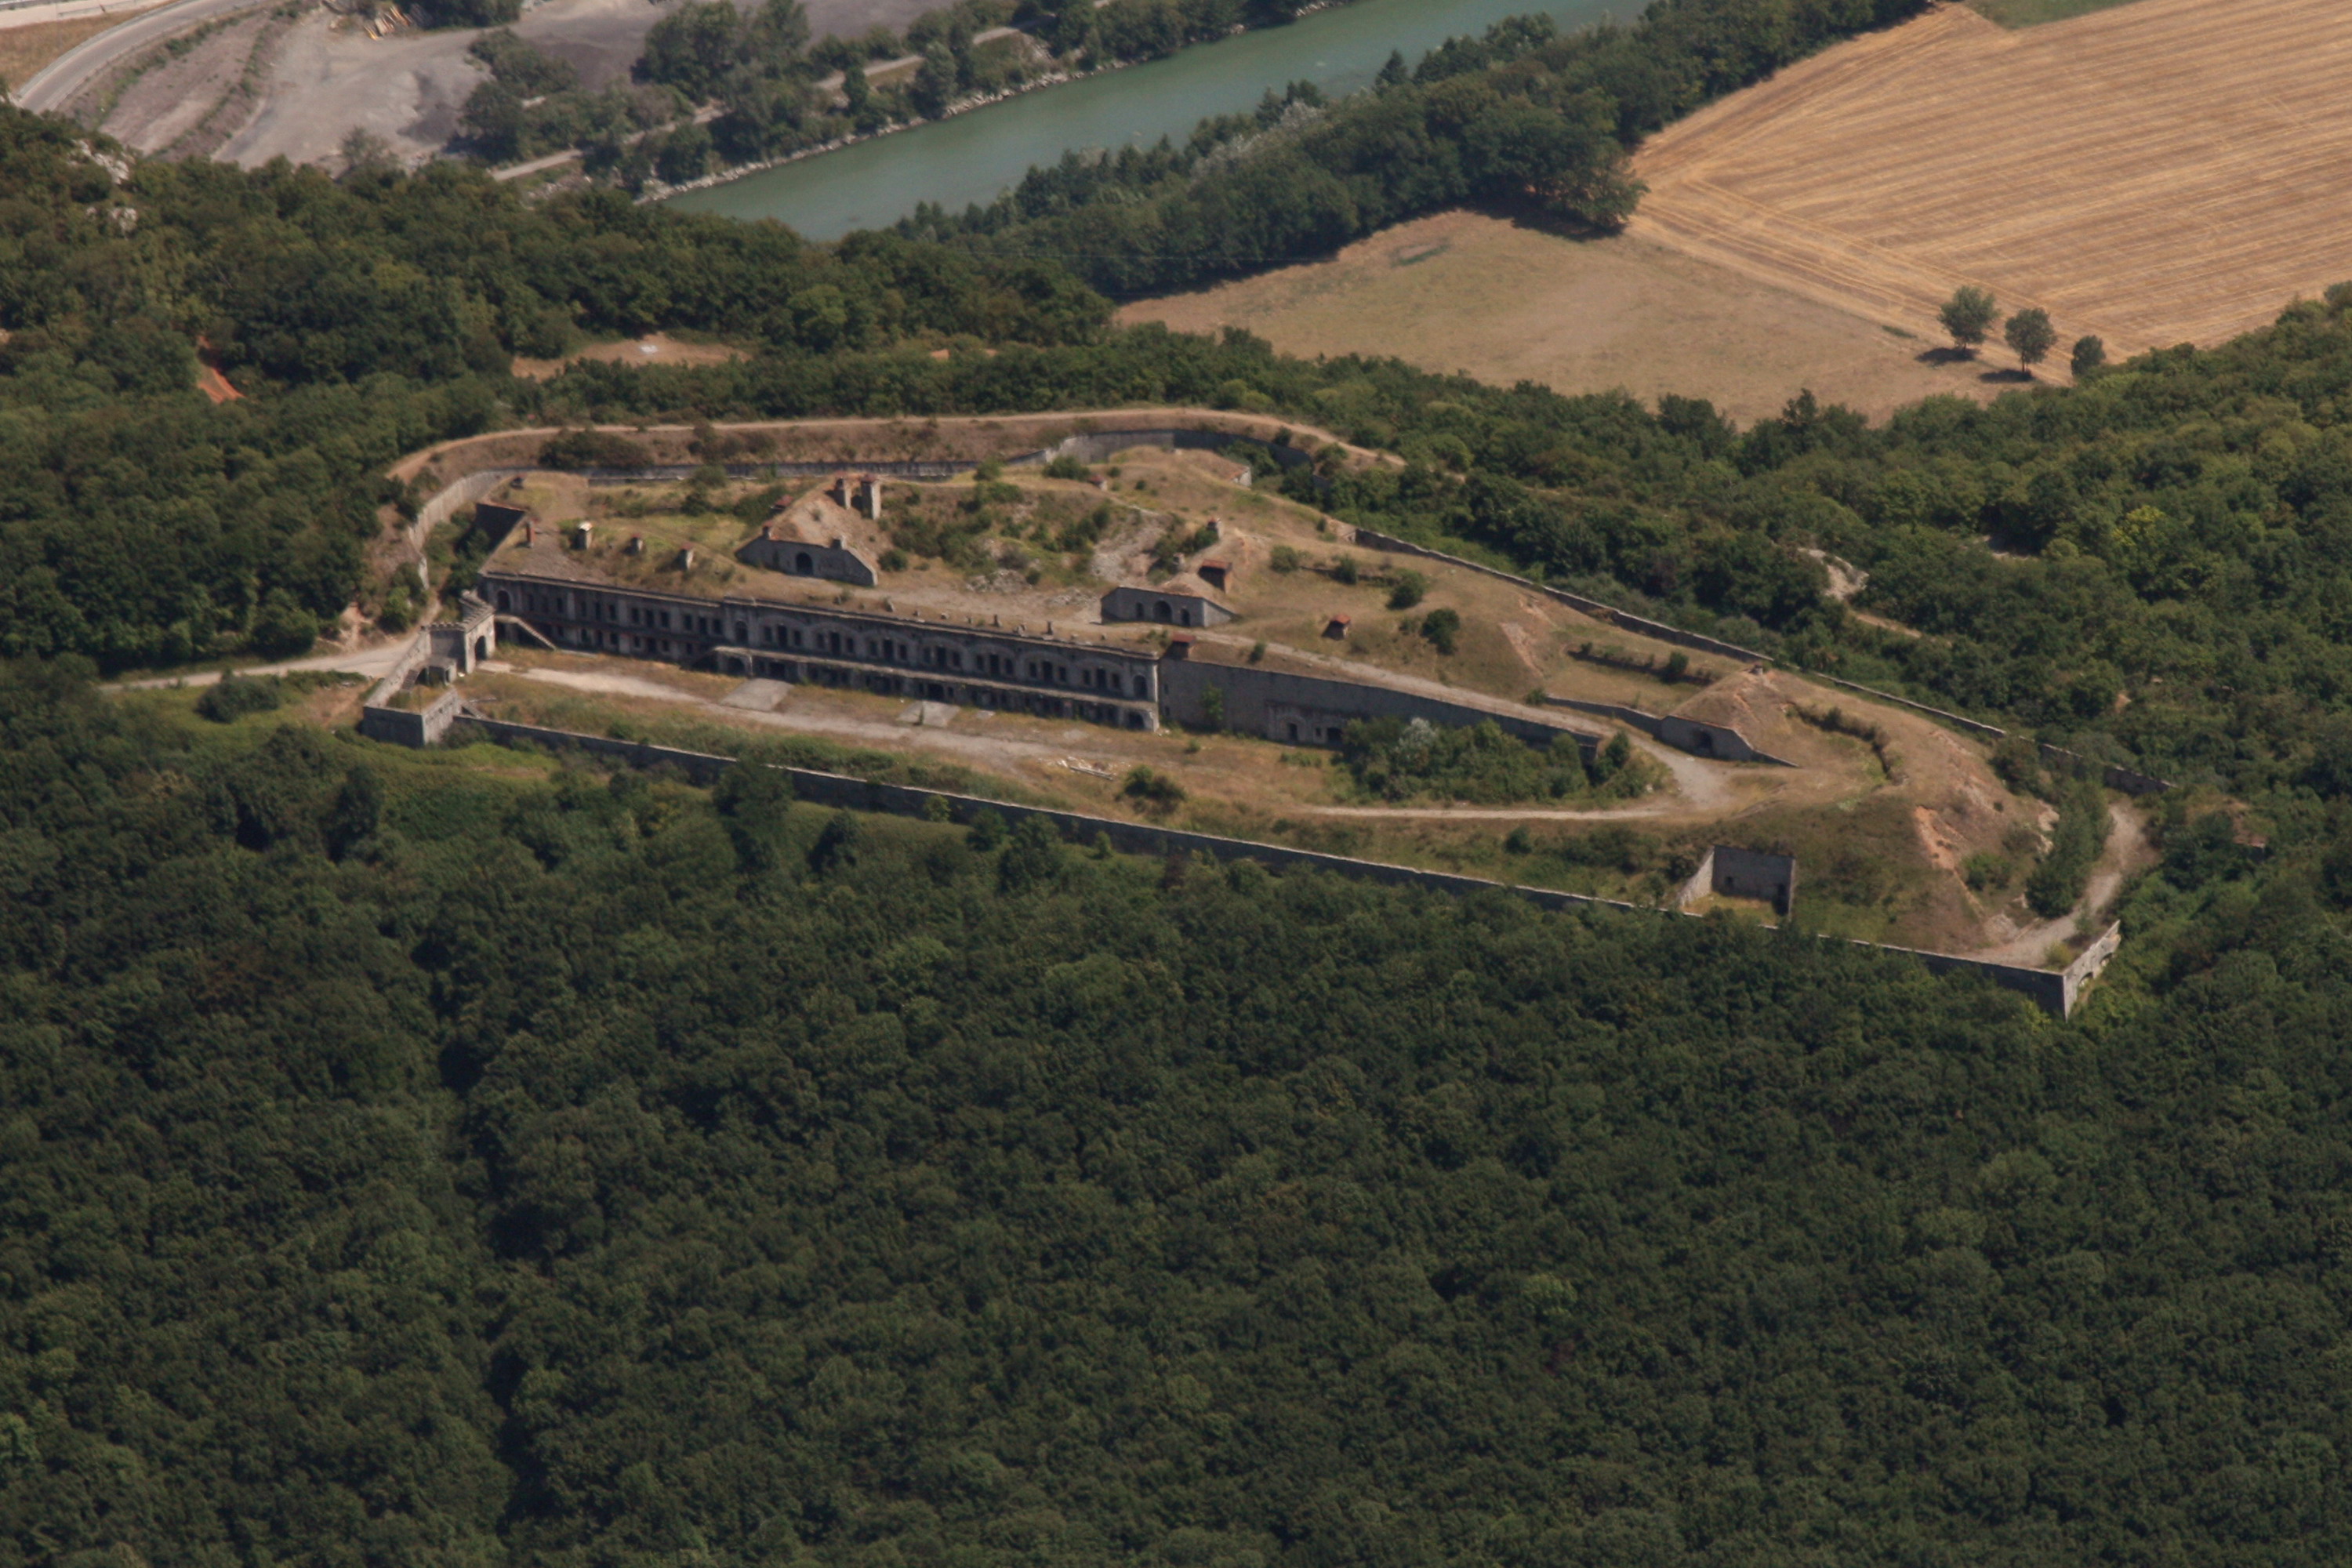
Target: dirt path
[375,661]
[918,437]
[2127,853]
[998,753]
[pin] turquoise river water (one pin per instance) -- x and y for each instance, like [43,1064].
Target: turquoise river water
[974,157]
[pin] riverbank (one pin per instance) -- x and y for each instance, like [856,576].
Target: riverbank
[871,183]
[656,191]
[1063,72]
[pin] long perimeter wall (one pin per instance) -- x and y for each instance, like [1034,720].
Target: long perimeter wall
[2056,991]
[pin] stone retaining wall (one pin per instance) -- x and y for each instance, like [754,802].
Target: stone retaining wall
[1720,742]
[1255,699]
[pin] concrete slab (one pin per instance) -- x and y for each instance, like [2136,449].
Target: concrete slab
[758,696]
[929,715]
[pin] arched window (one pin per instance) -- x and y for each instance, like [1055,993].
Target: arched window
[804,563]
[503,598]
[1160,610]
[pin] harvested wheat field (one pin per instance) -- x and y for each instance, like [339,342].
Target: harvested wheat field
[2165,171]
[1504,302]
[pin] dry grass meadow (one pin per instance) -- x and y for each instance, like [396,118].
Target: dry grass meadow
[2165,171]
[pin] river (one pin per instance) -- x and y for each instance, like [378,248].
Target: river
[976,157]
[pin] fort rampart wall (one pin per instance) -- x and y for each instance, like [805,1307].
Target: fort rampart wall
[2055,991]
[1256,700]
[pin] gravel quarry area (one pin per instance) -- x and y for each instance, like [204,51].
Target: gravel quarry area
[329,78]
[168,103]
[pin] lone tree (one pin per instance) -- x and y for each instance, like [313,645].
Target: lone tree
[2090,354]
[1969,316]
[2032,337]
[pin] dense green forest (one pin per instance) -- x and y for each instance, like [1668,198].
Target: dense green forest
[141,524]
[413,1161]
[471,1159]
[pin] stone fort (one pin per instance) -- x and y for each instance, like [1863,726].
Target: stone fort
[556,591]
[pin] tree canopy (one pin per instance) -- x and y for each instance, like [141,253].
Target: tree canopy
[410,1161]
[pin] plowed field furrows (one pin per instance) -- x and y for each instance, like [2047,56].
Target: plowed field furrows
[2171,171]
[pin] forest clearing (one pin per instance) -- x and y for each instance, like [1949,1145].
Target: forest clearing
[2146,174]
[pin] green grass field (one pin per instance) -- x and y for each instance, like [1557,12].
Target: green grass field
[2032,13]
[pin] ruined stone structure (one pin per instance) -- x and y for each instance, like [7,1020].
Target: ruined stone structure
[937,659]
[859,493]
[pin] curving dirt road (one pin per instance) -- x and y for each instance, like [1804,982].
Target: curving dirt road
[2128,852]
[54,85]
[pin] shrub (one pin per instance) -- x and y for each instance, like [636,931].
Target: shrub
[836,848]
[1155,792]
[1032,856]
[2058,883]
[1442,628]
[1284,559]
[1345,570]
[1396,759]
[235,696]
[576,449]
[1407,591]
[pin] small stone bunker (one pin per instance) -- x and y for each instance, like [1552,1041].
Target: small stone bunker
[820,536]
[1731,872]
[1179,602]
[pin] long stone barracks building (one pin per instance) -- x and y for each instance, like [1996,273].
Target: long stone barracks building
[941,658]
[934,658]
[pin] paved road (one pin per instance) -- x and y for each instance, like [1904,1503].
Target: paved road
[53,85]
[29,16]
